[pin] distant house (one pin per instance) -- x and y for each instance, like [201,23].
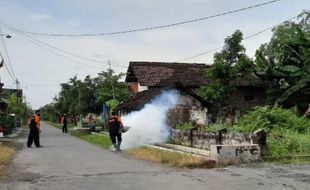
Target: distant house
[147,79]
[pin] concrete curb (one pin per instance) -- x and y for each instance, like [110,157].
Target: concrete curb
[190,150]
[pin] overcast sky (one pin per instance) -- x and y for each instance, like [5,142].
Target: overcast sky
[40,72]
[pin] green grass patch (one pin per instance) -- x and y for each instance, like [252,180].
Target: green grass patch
[100,140]
[171,158]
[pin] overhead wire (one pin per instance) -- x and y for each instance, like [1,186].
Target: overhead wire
[58,54]
[151,27]
[245,38]
[52,51]
[9,70]
[10,27]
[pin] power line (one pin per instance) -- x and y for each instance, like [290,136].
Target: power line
[152,27]
[11,73]
[58,49]
[7,69]
[53,52]
[245,38]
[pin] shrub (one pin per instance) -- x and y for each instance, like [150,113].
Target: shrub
[270,118]
[7,123]
[184,126]
[288,134]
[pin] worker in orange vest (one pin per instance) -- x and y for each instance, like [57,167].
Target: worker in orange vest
[64,123]
[38,125]
[34,131]
[115,124]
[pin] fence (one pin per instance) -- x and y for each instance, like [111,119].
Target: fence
[204,140]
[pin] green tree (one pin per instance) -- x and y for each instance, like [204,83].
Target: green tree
[108,85]
[284,64]
[78,97]
[49,112]
[229,64]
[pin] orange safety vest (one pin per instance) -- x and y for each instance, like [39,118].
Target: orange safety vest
[37,120]
[62,120]
[119,120]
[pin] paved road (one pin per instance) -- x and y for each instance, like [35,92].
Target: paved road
[67,163]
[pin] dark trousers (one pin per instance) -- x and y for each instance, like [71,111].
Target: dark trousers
[64,129]
[113,137]
[33,137]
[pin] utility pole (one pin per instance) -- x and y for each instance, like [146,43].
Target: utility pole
[110,71]
[79,110]
[17,93]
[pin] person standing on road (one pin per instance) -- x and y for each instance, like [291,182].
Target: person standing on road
[33,133]
[64,123]
[37,120]
[115,123]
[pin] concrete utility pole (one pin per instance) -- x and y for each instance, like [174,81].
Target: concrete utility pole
[17,92]
[111,80]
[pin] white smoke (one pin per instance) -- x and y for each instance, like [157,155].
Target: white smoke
[149,125]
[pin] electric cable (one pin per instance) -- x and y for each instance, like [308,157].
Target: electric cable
[7,69]
[58,49]
[54,52]
[245,38]
[11,72]
[151,27]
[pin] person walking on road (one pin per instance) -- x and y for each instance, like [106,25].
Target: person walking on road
[37,120]
[64,123]
[115,124]
[33,133]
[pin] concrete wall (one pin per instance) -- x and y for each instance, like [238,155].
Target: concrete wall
[198,115]
[235,154]
[142,88]
[188,110]
[204,140]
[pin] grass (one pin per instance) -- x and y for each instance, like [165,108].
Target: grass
[6,155]
[102,140]
[171,158]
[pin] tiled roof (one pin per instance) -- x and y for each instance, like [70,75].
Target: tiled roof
[138,101]
[159,74]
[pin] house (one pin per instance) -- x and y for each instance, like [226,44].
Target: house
[147,75]
[146,80]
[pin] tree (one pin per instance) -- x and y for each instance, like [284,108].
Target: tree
[284,64]
[228,65]
[108,85]
[78,97]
